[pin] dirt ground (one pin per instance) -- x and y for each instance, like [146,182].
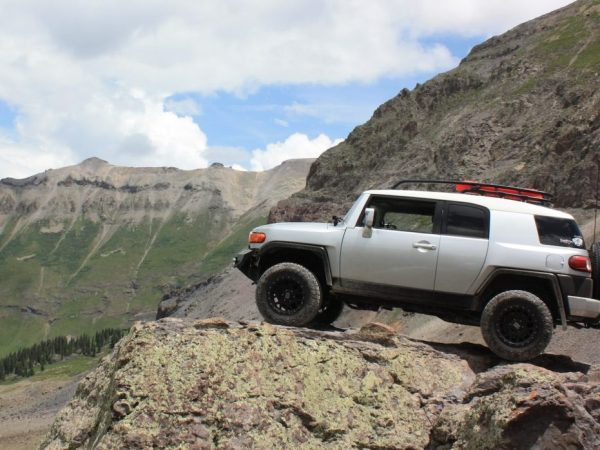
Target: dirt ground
[27,409]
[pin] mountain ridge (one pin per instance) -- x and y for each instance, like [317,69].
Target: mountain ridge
[93,238]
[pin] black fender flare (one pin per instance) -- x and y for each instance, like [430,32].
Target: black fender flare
[550,277]
[317,250]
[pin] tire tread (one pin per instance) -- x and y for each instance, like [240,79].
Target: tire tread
[500,348]
[303,317]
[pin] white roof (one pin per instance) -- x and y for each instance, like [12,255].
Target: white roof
[492,203]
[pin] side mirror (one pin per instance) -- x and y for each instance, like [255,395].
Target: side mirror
[368,222]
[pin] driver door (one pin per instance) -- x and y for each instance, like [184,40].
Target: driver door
[398,260]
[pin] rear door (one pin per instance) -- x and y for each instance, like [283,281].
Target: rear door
[463,247]
[399,258]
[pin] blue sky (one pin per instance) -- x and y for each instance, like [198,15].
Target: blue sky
[7,116]
[248,83]
[268,115]
[237,123]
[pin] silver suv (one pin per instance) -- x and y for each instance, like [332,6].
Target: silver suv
[502,260]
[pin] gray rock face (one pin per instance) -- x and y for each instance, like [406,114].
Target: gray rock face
[218,384]
[228,294]
[522,108]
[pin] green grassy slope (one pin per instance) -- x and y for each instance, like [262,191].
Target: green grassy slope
[64,283]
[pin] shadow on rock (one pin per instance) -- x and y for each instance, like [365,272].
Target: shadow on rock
[480,358]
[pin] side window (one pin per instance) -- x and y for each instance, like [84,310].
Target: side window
[416,216]
[468,221]
[558,231]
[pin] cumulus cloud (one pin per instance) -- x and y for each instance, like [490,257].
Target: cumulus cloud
[183,107]
[19,161]
[297,145]
[123,126]
[98,77]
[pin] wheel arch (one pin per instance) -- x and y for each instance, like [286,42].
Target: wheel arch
[542,284]
[313,257]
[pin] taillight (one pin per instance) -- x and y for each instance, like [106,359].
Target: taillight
[582,263]
[256,237]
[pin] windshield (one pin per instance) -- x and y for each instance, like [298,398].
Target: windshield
[353,209]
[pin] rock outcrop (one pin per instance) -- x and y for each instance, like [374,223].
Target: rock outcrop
[522,108]
[217,384]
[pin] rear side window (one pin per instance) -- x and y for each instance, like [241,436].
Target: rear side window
[468,221]
[560,232]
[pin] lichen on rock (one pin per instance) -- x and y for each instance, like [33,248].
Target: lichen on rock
[218,384]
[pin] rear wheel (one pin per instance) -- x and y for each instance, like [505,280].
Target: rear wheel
[516,325]
[289,294]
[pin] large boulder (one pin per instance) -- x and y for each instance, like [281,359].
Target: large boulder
[217,384]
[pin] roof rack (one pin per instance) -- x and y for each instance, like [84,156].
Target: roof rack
[490,190]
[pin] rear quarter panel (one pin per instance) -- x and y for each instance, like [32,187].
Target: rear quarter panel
[514,243]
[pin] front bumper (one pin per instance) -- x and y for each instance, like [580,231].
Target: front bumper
[246,262]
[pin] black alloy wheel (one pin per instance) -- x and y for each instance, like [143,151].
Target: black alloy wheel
[289,294]
[517,325]
[285,294]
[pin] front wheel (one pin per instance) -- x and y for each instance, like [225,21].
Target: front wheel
[288,294]
[516,325]
[330,310]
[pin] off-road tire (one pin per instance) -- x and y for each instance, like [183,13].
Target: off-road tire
[595,258]
[289,294]
[330,311]
[516,325]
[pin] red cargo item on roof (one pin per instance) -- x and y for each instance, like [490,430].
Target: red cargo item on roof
[508,192]
[490,190]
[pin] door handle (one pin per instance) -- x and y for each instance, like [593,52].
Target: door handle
[424,245]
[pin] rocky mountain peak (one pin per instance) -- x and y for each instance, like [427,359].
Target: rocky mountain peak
[93,162]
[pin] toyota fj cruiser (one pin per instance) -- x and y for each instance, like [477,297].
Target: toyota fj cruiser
[501,259]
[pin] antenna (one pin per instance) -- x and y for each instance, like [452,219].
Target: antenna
[596,199]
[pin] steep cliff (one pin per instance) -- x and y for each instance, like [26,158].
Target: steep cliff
[522,108]
[95,245]
[216,384]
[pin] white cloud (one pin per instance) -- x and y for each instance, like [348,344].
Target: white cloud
[473,17]
[123,126]
[71,69]
[298,145]
[184,107]
[18,161]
